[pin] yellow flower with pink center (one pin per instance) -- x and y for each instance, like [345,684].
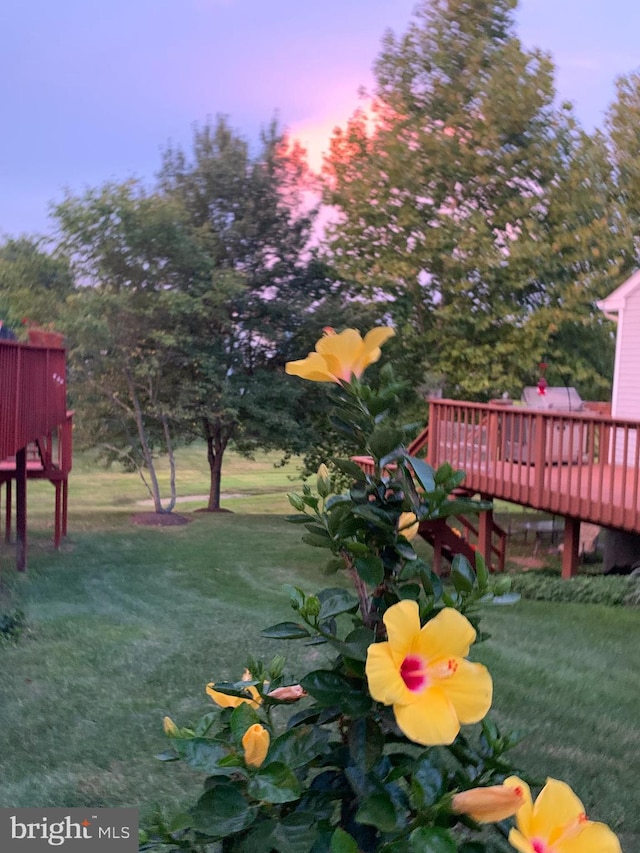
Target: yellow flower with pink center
[340,357]
[423,673]
[557,823]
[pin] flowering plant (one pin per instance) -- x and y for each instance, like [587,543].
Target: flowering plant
[373,755]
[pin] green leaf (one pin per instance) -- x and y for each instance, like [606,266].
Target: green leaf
[370,569]
[222,811]
[427,784]
[507,598]
[409,591]
[424,473]
[351,469]
[296,595]
[406,551]
[357,548]
[374,515]
[482,572]
[341,602]
[330,688]
[274,783]
[200,753]
[343,426]
[316,540]
[285,631]
[462,574]
[427,839]
[383,440]
[297,519]
[366,742]
[296,833]
[298,746]
[242,718]
[342,842]
[356,643]
[168,755]
[378,810]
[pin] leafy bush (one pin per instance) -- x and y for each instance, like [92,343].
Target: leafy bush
[378,757]
[12,624]
[612,590]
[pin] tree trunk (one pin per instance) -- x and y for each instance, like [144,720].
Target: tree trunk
[216,445]
[146,450]
[172,464]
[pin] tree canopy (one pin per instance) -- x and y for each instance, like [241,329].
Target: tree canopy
[473,205]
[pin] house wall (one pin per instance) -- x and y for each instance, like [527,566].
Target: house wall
[626,388]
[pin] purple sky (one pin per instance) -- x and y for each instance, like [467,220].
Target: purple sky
[93,91]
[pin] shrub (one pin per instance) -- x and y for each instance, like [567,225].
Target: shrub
[611,590]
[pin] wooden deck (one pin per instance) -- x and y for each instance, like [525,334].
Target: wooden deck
[584,466]
[33,410]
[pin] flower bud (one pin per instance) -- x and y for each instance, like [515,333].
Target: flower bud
[488,805]
[408,525]
[291,693]
[311,606]
[255,743]
[170,728]
[296,501]
[323,481]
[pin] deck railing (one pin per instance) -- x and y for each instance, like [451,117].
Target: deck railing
[33,394]
[580,464]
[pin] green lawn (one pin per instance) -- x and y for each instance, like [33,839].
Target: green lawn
[127,624]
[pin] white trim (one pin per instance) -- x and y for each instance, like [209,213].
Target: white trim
[616,366]
[615,301]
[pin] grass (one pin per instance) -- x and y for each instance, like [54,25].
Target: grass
[108,497]
[127,624]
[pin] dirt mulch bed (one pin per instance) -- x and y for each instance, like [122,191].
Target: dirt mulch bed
[527,563]
[160,519]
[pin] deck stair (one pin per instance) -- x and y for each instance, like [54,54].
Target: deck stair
[446,540]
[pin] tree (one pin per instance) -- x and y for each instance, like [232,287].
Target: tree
[34,282]
[140,260]
[252,215]
[623,129]
[450,201]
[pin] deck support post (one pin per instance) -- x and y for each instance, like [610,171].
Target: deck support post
[436,564]
[65,500]
[7,512]
[21,509]
[58,515]
[570,552]
[485,526]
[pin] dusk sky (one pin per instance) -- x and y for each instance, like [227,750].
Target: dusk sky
[93,91]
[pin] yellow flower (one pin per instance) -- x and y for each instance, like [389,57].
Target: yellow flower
[170,728]
[225,701]
[255,743]
[338,358]
[557,823]
[488,805]
[423,673]
[408,525]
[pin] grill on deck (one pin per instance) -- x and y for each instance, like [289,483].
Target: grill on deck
[564,440]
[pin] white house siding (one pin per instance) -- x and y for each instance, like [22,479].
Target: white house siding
[626,391]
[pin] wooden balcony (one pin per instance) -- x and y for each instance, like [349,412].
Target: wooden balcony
[582,465]
[33,413]
[33,394]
